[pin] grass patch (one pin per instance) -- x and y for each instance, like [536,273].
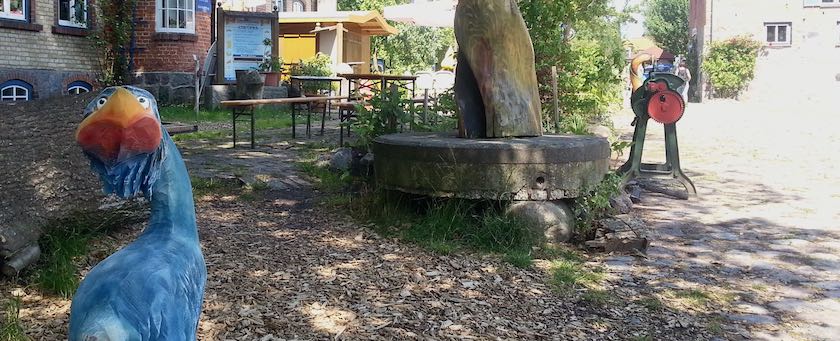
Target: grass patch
[187,114]
[693,297]
[200,135]
[11,328]
[519,258]
[598,297]
[66,240]
[569,274]
[715,325]
[651,303]
[265,118]
[213,186]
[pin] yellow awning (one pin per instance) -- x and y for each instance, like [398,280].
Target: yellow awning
[368,22]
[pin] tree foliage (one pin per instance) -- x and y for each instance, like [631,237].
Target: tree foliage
[730,65]
[581,38]
[666,21]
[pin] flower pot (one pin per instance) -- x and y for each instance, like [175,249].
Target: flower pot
[271,78]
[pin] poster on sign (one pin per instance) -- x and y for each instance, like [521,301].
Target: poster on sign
[244,36]
[244,47]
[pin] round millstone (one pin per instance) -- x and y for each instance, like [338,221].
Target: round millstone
[552,220]
[549,167]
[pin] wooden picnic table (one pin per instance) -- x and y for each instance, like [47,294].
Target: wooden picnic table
[245,107]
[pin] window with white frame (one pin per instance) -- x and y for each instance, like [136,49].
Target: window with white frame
[297,6]
[778,34]
[78,87]
[13,9]
[72,13]
[15,90]
[176,16]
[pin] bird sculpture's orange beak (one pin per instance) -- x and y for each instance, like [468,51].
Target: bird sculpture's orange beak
[120,128]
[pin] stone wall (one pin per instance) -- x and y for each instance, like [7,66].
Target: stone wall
[214,94]
[47,83]
[168,87]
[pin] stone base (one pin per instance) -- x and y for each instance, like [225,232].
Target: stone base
[550,167]
[552,220]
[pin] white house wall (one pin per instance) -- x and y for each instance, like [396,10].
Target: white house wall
[808,69]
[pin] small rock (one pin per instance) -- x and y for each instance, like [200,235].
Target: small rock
[342,159]
[621,204]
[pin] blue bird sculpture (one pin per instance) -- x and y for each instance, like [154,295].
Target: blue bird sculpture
[153,288]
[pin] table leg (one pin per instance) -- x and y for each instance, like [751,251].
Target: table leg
[233,114]
[324,116]
[341,127]
[293,120]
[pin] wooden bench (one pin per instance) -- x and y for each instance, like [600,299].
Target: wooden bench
[246,107]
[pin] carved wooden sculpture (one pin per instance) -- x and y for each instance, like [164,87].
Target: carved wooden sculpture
[495,82]
[152,289]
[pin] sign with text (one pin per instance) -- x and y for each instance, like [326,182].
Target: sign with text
[243,37]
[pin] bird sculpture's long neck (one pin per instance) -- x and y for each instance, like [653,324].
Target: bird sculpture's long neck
[173,209]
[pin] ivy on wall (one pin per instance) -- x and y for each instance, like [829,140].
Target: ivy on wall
[111,39]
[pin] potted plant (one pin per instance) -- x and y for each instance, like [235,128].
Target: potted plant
[271,69]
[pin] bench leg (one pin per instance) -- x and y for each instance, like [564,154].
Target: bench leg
[252,128]
[293,120]
[309,121]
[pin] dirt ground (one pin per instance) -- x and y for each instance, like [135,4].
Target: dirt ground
[754,256]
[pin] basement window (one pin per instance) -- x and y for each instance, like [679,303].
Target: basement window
[13,9]
[15,90]
[72,13]
[78,87]
[778,34]
[176,16]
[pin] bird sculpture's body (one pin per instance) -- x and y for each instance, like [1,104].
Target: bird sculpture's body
[153,288]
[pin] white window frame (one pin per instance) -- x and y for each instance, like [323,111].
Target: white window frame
[15,95]
[73,22]
[788,31]
[298,6]
[77,89]
[189,13]
[6,10]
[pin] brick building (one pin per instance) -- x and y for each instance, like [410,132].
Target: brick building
[46,50]
[164,47]
[801,44]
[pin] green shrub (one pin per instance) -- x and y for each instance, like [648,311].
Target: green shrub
[320,66]
[381,116]
[730,65]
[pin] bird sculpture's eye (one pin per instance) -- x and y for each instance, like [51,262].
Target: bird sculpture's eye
[143,102]
[101,102]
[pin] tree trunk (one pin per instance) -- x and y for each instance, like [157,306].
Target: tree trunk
[43,173]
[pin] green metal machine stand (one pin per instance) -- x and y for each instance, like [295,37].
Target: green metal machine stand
[657,98]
